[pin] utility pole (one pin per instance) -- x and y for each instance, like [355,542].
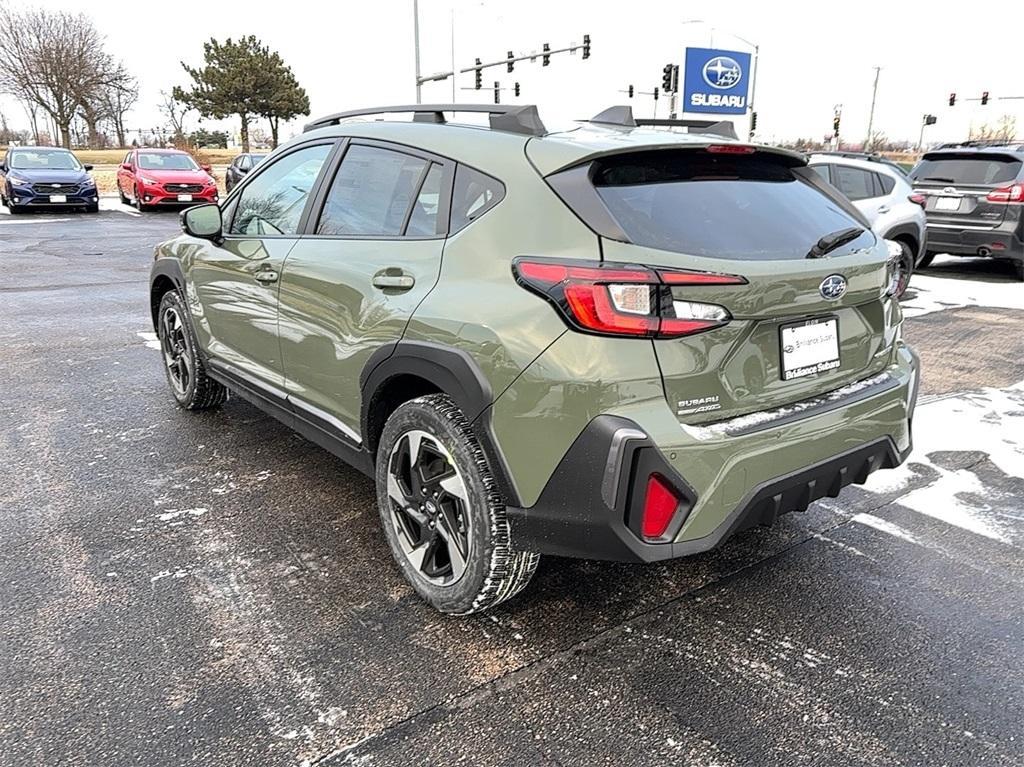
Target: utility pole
[871,115]
[416,35]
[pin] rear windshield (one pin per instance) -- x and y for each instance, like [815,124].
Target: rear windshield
[720,206]
[971,169]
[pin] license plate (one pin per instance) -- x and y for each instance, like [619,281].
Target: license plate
[947,203]
[184,198]
[809,347]
[58,198]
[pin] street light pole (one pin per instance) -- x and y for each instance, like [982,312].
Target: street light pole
[416,44]
[871,114]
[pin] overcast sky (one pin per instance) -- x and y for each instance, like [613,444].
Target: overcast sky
[812,55]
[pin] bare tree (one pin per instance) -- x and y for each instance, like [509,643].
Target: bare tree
[50,60]
[1004,130]
[118,97]
[175,111]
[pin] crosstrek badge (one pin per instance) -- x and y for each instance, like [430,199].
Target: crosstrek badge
[698,405]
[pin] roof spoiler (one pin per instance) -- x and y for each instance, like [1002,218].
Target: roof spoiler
[622,116]
[522,119]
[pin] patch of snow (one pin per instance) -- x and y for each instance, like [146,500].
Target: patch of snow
[150,340]
[886,527]
[935,294]
[179,573]
[175,513]
[744,422]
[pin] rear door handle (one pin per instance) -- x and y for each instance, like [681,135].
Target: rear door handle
[393,279]
[266,276]
[883,208]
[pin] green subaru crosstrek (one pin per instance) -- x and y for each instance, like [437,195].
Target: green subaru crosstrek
[616,342]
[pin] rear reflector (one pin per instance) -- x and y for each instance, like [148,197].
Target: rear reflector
[660,506]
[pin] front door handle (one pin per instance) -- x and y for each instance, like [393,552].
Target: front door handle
[266,276]
[393,279]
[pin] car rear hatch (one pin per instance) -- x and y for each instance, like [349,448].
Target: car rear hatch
[800,323]
[966,190]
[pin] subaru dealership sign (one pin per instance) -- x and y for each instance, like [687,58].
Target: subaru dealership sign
[716,81]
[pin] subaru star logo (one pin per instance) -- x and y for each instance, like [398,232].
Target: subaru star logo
[833,287]
[722,72]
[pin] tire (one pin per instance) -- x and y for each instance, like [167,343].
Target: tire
[906,266]
[15,209]
[190,384]
[138,202]
[462,520]
[92,208]
[1019,269]
[926,260]
[124,199]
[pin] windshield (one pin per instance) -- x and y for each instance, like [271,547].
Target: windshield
[27,159]
[976,168]
[161,161]
[720,206]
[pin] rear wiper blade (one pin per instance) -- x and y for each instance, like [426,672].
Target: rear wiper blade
[830,242]
[943,179]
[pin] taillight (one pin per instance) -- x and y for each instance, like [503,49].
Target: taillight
[918,199]
[1012,193]
[660,504]
[623,300]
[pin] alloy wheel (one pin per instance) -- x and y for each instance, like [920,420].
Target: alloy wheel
[175,347]
[429,507]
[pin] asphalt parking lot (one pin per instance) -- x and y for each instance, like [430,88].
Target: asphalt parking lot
[212,589]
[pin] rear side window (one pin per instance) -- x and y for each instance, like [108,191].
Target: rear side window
[718,206]
[976,168]
[855,183]
[888,183]
[474,194]
[371,193]
[821,170]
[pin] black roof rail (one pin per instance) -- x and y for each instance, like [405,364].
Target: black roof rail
[517,118]
[622,116]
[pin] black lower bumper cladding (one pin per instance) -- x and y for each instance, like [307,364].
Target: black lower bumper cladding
[573,518]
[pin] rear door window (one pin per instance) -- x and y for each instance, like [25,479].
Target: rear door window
[719,206]
[855,183]
[371,193]
[974,169]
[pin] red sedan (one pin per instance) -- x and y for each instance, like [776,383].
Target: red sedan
[151,177]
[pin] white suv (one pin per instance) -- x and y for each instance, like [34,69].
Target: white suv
[881,191]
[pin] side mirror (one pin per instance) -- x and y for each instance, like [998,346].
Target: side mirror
[87,167]
[126,166]
[203,221]
[207,168]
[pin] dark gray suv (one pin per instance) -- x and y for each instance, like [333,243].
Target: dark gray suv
[975,199]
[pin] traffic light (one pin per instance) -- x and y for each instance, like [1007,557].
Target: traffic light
[586,46]
[511,64]
[666,78]
[753,121]
[930,119]
[835,125]
[546,58]
[984,98]
[516,89]
[655,94]
[952,99]
[631,91]
[675,79]
[497,92]
[479,75]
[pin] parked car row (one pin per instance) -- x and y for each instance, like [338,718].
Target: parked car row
[52,177]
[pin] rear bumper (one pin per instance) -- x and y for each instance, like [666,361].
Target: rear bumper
[590,507]
[1001,242]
